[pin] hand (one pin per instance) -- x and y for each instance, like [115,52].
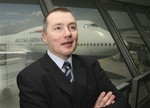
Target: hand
[104,99]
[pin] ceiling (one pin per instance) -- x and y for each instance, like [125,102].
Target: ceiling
[140,2]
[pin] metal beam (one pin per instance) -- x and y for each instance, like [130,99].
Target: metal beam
[117,38]
[46,6]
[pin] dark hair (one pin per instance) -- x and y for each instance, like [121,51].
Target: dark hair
[60,9]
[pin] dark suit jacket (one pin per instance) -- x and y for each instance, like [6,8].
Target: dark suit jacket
[43,85]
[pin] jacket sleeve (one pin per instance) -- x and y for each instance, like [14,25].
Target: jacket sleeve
[104,84]
[31,93]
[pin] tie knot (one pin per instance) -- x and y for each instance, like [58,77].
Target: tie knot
[67,65]
[66,69]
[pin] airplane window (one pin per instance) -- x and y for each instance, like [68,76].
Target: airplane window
[89,25]
[94,25]
[105,44]
[86,25]
[97,44]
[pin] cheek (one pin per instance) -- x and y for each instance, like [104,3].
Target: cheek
[52,37]
[54,42]
[76,37]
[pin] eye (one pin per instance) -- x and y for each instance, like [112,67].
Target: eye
[72,27]
[58,28]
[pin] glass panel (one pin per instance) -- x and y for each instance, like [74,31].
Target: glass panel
[144,54]
[130,35]
[145,21]
[141,15]
[95,40]
[18,24]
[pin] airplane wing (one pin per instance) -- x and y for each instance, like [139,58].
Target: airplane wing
[135,40]
[133,37]
[22,51]
[13,52]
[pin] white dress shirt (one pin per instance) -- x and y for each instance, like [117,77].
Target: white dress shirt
[59,62]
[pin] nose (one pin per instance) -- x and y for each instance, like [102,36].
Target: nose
[67,32]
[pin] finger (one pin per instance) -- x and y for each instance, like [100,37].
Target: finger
[110,101]
[113,102]
[101,96]
[105,99]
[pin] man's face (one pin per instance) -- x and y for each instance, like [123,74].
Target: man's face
[61,35]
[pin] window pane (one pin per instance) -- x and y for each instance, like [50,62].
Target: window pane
[144,53]
[17,26]
[130,35]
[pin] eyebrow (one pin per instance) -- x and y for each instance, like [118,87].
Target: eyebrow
[57,24]
[73,23]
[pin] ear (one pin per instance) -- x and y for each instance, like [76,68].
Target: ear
[44,37]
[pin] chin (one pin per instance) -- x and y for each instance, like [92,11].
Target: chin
[68,53]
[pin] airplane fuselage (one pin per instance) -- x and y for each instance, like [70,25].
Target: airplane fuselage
[91,41]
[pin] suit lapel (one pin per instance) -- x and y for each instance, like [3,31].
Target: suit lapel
[56,74]
[80,77]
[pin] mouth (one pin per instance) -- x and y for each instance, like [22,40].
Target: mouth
[67,43]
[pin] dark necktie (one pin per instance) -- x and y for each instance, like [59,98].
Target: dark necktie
[67,70]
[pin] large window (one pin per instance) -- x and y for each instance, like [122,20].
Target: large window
[129,33]
[18,22]
[21,43]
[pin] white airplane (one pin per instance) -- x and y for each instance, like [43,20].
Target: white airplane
[92,41]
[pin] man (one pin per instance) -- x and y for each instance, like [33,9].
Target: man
[45,83]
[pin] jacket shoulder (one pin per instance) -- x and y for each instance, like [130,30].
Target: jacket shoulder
[87,60]
[31,69]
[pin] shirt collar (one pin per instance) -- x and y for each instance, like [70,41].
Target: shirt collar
[58,60]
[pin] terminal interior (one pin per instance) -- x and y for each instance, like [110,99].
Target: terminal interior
[121,44]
